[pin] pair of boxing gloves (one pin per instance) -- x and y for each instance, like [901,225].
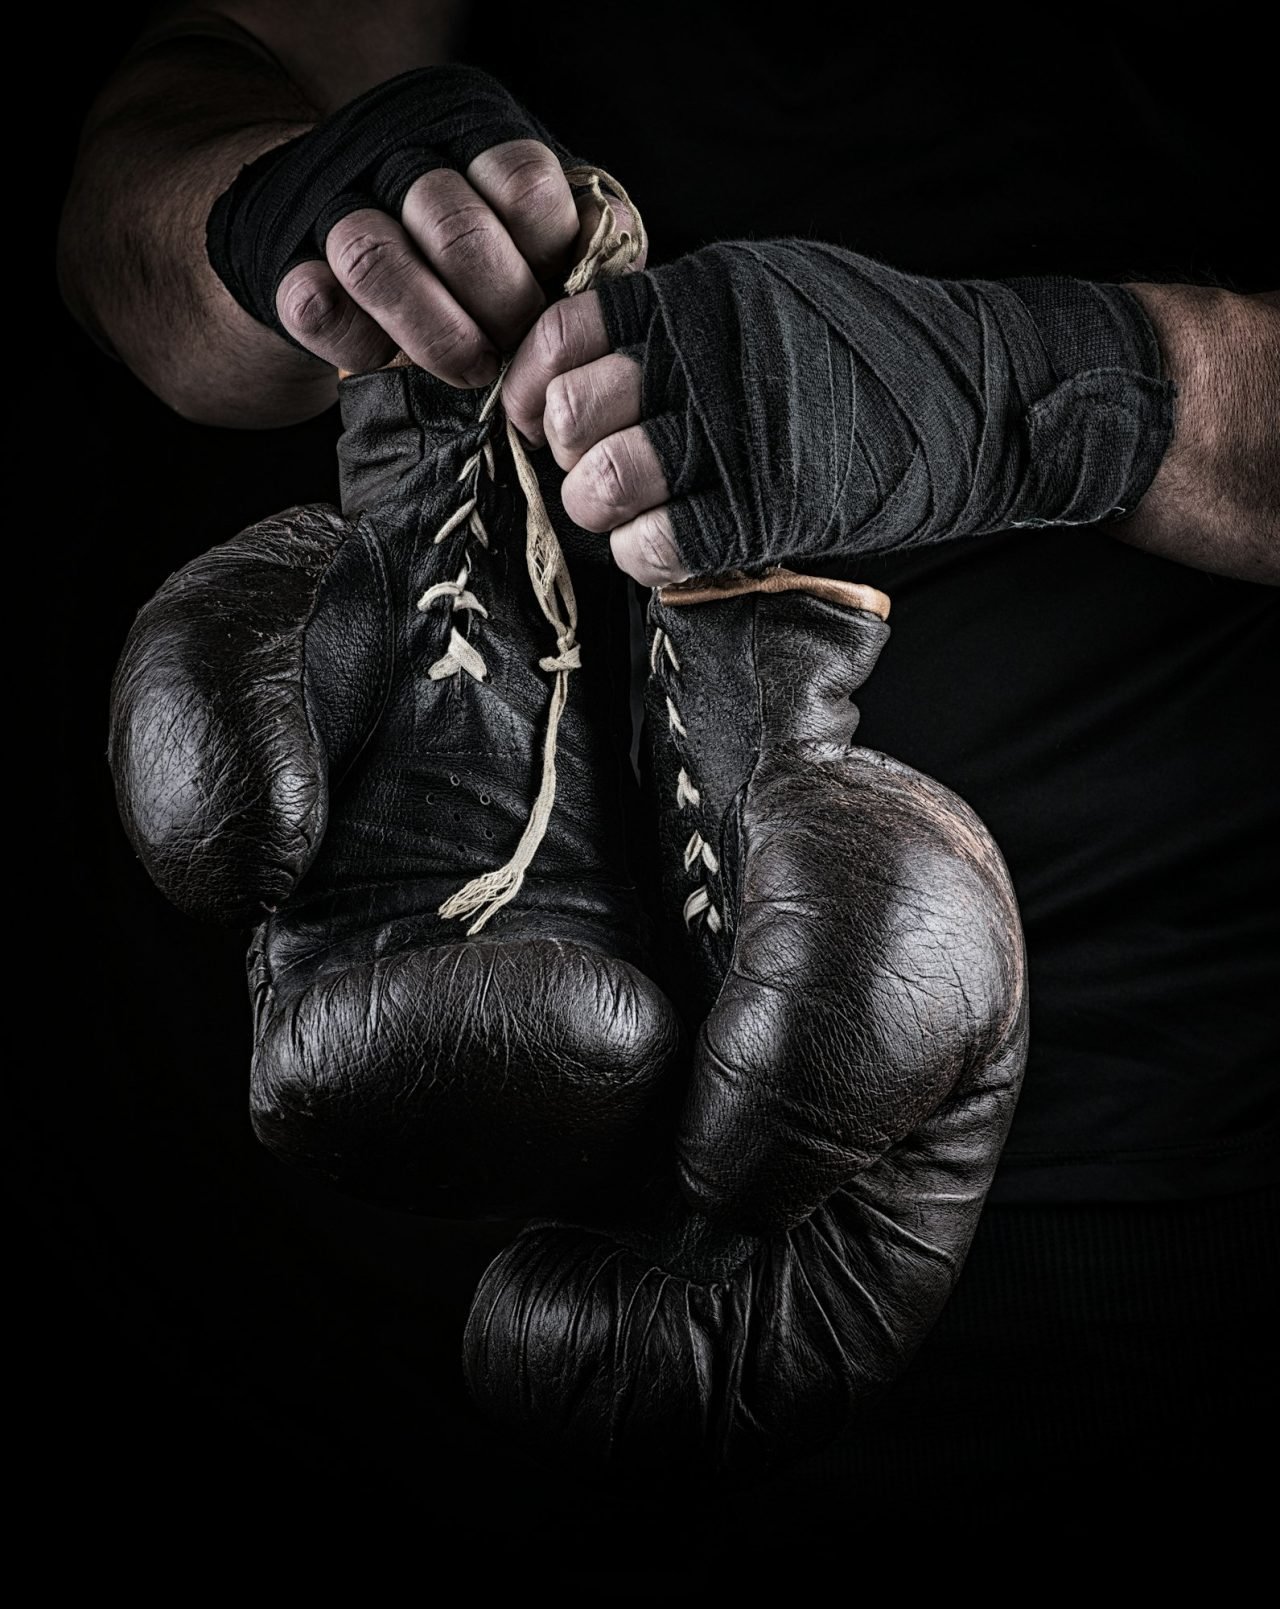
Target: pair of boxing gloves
[747,1046]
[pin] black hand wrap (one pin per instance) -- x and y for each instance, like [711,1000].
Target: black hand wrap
[807,402]
[282,206]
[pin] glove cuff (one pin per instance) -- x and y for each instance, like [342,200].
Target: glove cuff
[1098,434]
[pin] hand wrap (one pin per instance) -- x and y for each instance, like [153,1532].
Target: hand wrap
[806,402]
[281,207]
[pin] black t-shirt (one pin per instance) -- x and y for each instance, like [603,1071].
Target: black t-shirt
[1110,715]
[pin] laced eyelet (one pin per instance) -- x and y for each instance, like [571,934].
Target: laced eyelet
[664,663]
[611,250]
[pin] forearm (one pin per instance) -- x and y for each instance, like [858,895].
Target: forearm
[206,90]
[1215,501]
[168,134]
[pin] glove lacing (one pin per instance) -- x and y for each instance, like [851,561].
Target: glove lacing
[611,251]
[699,857]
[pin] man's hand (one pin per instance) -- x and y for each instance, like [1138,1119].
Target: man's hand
[428,216]
[441,226]
[569,390]
[452,282]
[845,434]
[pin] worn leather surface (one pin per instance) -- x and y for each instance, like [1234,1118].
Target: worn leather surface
[281,755]
[863,1035]
[858,996]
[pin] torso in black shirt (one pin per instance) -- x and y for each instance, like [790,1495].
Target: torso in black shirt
[1107,713]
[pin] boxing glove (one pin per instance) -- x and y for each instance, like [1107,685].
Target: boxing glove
[847,937]
[331,724]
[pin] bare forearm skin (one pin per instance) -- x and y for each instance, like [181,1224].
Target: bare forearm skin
[197,99]
[1215,501]
[169,133]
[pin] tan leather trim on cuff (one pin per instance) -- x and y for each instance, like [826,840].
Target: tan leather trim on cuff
[400,361]
[707,589]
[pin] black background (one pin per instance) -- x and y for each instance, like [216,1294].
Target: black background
[213,1340]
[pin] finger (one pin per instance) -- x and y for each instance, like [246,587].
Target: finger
[522,181]
[646,549]
[569,334]
[378,266]
[320,315]
[590,403]
[617,479]
[472,254]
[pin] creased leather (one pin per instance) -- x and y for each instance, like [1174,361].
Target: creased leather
[278,748]
[864,1033]
[221,783]
[280,751]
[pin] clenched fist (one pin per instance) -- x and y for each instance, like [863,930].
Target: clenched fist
[759,402]
[430,216]
[569,390]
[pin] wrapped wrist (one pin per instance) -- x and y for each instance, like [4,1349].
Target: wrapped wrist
[1103,419]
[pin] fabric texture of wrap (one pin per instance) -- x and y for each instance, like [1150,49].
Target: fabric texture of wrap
[806,402]
[844,930]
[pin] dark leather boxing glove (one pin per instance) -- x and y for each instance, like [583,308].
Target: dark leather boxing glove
[332,722]
[847,936]
[280,208]
[807,402]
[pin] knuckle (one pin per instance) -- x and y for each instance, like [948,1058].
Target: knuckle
[365,261]
[606,479]
[562,418]
[647,551]
[463,233]
[530,186]
[552,339]
[310,306]
[655,549]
